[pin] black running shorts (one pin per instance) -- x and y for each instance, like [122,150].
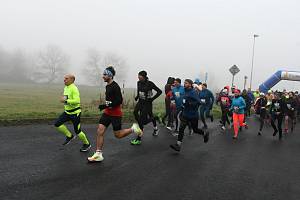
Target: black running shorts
[116,122]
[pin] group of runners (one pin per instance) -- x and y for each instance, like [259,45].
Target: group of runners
[185,103]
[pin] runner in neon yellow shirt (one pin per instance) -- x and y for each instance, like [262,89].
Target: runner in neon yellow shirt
[71,101]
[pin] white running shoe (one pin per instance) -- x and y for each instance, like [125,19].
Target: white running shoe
[169,128]
[97,157]
[223,128]
[136,129]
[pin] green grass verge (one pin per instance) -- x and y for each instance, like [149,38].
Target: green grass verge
[39,101]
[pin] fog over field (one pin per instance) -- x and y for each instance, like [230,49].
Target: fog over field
[185,39]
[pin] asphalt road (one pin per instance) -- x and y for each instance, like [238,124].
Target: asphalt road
[34,165]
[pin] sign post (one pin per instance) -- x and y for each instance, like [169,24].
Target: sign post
[233,70]
[245,81]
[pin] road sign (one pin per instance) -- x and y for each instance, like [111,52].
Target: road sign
[234,70]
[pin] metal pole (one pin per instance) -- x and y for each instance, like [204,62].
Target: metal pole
[232,81]
[254,36]
[245,82]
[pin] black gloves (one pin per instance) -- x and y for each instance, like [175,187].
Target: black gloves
[102,107]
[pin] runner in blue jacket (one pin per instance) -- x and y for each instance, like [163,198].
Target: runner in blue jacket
[189,114]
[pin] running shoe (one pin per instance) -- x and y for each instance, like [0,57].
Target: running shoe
[223,128]
[275,132]
[211,118]
[136,129]
[135,142]
[246,126]
[206,137]
[97,157]
[234,137]
[155,132]
[169,128]
[68,140]
[175,147]
[259,133]
[175,133]
[85,147]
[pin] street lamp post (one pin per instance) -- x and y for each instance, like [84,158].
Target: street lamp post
[251,76]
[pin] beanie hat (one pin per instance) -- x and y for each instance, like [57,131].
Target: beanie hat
[143,74]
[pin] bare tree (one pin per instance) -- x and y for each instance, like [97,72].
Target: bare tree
[93,67]
[97,62]
[14,66]
[4,63]
[50,63]
[20,65]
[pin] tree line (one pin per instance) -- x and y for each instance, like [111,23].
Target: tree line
[51,62]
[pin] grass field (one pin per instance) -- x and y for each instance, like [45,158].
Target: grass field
[40,101]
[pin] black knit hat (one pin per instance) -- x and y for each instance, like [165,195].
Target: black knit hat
[143,74]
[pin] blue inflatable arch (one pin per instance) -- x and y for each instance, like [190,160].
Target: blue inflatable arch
[278,76]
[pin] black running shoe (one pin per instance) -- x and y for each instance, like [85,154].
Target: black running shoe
[234,138]
[240,129]
[259,133]
[85,147]
[206,136]
[275,132]
[68,140]
[175,147]
[155,132]
[212,118]
[163,121]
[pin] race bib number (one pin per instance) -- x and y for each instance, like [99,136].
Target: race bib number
[276,106]
[142,95]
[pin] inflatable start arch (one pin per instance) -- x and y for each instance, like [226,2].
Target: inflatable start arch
[278,76]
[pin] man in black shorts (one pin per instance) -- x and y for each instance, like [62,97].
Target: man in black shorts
[112,114]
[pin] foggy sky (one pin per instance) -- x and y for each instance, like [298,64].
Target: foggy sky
[181,38]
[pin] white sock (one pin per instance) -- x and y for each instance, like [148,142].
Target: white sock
[99,151]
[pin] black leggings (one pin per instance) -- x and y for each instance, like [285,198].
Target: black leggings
[262,117]
[169,113]
[225,114]
[279,119]
[143,114]
[184,122]
[75,119]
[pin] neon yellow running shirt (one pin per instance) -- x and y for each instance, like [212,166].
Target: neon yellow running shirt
[72,97]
